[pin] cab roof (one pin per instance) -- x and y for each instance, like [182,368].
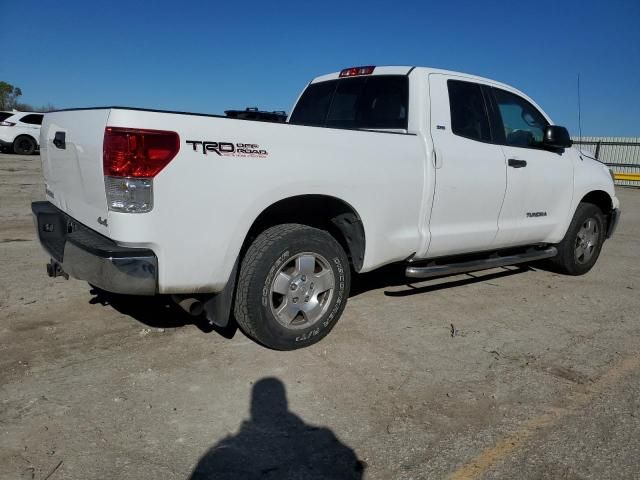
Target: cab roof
[406,70]
[413,70]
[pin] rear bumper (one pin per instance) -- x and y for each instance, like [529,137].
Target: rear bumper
[86,255]
[612,224]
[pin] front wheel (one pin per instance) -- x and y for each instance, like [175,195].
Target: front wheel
[293,286]
[581,246]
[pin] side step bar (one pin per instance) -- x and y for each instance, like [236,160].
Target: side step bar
[433,270]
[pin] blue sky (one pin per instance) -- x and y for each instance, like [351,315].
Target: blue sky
[212,56]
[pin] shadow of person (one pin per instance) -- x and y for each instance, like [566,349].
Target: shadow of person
[275,443]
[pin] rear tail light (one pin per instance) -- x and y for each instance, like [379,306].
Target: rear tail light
[7,124]
[130,160]
[356,71]
[138,153]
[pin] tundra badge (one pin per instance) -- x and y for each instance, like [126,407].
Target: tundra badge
[536,214]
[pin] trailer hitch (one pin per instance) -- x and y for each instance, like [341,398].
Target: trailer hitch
[54,269]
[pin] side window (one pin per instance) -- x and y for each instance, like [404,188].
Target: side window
[468,111]
[32,119]
[523,124]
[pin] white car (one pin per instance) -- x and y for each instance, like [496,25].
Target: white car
[20,132]
[442,171]
[4,115]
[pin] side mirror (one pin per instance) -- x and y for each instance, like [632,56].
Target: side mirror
[556,137]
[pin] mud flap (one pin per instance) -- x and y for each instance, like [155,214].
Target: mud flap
[218,308]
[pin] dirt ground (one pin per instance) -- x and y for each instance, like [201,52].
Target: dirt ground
[510,373]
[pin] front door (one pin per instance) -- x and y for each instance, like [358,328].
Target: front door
[539,181]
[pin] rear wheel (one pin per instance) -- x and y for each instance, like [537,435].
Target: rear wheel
[293,286]
[581,246]
[24,145]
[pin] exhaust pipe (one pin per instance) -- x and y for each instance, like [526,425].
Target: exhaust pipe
[191,305]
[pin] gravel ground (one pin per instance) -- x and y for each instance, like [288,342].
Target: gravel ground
[509,373]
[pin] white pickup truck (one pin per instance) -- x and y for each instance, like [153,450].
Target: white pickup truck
[265,222]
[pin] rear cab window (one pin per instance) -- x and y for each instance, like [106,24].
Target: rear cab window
[313,106]
[378,102]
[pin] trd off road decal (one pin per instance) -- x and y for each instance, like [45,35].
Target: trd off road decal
[228,149]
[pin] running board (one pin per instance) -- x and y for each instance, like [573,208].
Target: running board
[430,271]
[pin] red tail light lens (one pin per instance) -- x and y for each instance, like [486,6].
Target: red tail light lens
[356,71]
[131,152]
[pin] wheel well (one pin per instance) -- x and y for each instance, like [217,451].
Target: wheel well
[320,211]
[600,199]
[25,135]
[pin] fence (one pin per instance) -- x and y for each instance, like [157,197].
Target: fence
[622,154]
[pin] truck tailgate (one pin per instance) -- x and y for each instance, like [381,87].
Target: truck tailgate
[71,152]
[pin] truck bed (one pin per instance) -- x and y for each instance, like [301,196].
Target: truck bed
[226,173]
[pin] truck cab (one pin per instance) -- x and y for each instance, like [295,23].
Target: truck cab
[492,179]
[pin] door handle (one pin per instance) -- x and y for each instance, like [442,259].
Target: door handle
[437,158]
[517,163]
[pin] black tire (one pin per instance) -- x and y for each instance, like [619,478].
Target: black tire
[272,252]
[24,145]
[569,259]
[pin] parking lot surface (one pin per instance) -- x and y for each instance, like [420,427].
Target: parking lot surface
[508,373]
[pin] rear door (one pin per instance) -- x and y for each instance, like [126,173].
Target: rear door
[539,181]
[470,169]
[72,165]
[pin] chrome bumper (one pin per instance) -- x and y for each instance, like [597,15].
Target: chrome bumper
[86,255]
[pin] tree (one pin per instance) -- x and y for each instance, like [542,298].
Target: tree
[27,107]
[8,95]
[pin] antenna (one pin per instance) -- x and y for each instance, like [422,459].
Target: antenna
[579,113]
